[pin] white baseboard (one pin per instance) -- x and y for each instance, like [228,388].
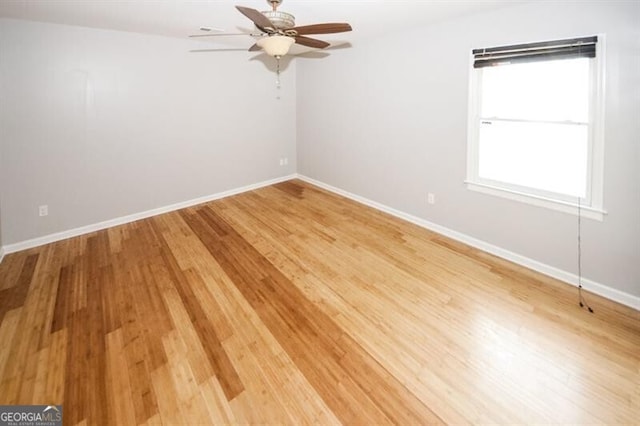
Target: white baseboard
[1,253]
[592,286]
[11,248]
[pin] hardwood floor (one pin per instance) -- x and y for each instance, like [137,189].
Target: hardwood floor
[292,305]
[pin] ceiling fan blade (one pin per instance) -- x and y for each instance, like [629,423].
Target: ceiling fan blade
[224,49]
[255,48]
[311,42]
[317,54]
[340,45]
[313,54]
[219,35]
[261,21]
[329,28]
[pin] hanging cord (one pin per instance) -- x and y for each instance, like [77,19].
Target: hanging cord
[581,299]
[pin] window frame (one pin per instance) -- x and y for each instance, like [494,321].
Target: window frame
[592,205]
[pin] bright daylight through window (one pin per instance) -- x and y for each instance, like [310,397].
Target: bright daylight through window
[536,124]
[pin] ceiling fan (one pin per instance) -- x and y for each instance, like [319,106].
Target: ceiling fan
[277,30]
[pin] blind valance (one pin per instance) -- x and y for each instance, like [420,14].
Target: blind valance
[584,47]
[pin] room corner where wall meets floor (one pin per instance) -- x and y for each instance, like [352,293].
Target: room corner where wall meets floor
[567,277]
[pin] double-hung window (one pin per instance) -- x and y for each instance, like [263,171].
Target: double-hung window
[535,124]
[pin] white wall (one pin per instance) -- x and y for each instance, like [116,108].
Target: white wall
[1,181]
[387,120]
[102,124]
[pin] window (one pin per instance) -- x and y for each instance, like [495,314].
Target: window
[535,130]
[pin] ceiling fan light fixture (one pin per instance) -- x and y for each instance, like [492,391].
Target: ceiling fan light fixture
[276,45]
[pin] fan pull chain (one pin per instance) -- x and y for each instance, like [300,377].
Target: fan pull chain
[278,72]
[278,77]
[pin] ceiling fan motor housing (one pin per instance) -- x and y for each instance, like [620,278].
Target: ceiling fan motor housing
[281,20]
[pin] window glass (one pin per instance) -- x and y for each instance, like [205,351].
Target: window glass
[553,91]
[544,156]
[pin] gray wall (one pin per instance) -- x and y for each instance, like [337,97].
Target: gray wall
[387,120]
[102,124]
[1,245]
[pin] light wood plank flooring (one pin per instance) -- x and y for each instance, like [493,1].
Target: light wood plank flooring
[291,305]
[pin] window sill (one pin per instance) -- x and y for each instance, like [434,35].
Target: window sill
[571,208]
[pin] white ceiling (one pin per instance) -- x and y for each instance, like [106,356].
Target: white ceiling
[179,18]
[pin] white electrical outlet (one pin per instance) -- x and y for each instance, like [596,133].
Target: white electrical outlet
[43,210]
[431,198]
[286,161]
